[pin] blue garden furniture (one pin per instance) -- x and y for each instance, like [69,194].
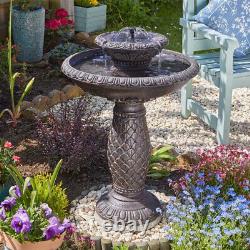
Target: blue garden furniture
[220,68]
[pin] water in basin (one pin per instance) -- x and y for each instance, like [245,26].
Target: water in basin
[161,65]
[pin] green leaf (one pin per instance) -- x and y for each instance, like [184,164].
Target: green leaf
[55,173]
[32,199]
[166,157]
[33,184]
[26,183]
[25,92]
[16,75]
[4,111]
[157,175]
[16,175]
[162,150]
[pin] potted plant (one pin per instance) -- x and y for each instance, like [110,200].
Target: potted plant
[34,216]
[90,15]
[59,28]
[7,159]
[28,29]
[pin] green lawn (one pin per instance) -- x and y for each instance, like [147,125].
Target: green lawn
[169,15]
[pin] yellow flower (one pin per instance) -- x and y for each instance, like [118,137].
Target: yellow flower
[94,2]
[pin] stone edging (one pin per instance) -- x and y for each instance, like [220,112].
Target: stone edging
[43,103]
[100,243]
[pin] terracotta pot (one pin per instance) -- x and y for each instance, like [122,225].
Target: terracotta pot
[12,244]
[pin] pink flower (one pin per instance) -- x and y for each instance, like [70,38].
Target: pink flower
[16,158]
[64,22]
[8,144]
[70,22]
[61,13]
[52,24]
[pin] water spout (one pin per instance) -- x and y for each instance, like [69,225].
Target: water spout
[132,34]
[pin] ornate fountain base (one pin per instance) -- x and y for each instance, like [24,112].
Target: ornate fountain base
[128,154]
[141,209]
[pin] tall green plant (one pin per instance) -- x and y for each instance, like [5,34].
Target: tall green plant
[15,110]
[42,189]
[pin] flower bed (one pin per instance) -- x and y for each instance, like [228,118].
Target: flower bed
[211,210]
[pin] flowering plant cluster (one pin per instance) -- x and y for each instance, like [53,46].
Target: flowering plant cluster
[200,218]
[28,217]
[212,208]
[224,165]
[87,3]
[58,21]
[7,159]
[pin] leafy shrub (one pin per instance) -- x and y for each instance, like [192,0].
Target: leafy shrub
[128,13]
[56,200]
[62,51]
[159,157]
[72,133]
[27,5]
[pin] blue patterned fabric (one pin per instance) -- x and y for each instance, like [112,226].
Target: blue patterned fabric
[229,17]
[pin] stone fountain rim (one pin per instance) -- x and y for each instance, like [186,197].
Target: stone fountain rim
[101,41]
[128,82]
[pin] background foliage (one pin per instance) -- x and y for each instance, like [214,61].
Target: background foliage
[159,15]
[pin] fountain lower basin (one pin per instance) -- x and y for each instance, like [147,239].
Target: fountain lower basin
[176,70]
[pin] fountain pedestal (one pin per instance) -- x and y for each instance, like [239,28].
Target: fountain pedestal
[128,154]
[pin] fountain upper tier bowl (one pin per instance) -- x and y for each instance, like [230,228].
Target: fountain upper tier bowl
[131,48]
[95,74]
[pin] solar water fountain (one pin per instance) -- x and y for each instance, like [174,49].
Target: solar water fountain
[130,68]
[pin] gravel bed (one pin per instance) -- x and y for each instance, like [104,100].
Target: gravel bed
[82,213]
[166,126]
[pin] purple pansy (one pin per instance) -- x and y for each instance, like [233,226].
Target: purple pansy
[8,203]
[47,210]
[68,226]
[15,191]
[2,213]
[56,228]
[21,222]
[52,230]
